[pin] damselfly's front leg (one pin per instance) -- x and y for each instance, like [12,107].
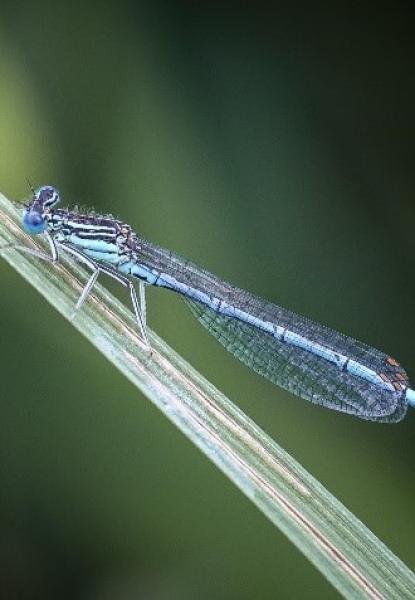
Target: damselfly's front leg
[53,257]
[139,306]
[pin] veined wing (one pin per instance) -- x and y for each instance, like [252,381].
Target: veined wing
[300,371]
[304,357]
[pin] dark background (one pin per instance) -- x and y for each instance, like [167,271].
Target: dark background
[273,146]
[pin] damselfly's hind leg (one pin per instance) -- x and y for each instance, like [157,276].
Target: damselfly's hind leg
[139,306]
[53,257]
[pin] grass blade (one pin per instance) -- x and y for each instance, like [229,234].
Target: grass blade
[357,563]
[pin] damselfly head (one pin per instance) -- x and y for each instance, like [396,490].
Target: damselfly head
[34,219]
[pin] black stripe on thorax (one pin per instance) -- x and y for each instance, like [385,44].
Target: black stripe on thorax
[89,224]
[88,234]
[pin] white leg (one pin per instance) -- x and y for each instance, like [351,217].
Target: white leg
[53,257]
[97,269]
[139,315]
[85,292]
[143,305]
[53,247]
[80,256]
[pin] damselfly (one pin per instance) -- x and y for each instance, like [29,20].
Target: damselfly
[308,359]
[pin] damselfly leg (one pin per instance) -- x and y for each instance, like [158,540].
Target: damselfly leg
[53,257]
[139,305]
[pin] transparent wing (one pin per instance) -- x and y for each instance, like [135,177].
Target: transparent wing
[294,368]
[301,372]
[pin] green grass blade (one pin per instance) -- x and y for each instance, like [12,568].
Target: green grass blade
[357,563]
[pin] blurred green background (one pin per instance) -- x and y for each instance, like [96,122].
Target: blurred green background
[271,145]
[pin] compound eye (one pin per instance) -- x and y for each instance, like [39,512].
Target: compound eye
[34,222]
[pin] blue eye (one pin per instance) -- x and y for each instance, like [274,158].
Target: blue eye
[34,222]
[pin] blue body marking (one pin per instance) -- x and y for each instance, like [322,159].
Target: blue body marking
[92,245]
[313,361]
